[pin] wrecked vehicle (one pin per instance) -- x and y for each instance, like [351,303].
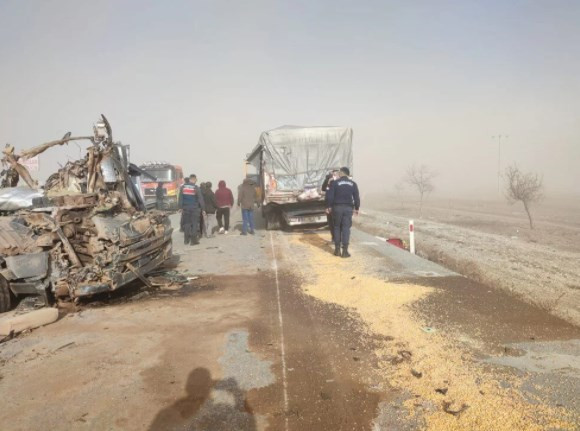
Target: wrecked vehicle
[86,232]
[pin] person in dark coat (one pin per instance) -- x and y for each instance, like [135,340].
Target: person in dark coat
[192,205]
[325,186]
[342,198]
[225,201]
[159,195]
[210,209]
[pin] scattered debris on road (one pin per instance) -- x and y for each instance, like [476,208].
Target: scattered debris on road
[416,373]
[453,408]
[398,242]
[405,354]
[170,280]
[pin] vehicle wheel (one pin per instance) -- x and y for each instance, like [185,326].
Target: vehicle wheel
[273,220]
[5,295]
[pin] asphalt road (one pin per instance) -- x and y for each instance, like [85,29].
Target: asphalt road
[279,334]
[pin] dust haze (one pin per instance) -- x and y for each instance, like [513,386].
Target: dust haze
[196,82]
[449,301]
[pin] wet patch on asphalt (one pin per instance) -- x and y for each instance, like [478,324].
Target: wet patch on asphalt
[332,377]
[512,336]
[562,357]
[331,365]
[240,363]
[488,314]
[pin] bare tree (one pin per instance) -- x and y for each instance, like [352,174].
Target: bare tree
[524,187]
[421,179]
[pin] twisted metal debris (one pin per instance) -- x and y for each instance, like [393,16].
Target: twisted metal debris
[86,232]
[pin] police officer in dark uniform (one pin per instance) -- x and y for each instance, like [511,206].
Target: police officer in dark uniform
[191,204]
[342,198]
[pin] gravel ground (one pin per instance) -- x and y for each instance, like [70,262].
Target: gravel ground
[537,273]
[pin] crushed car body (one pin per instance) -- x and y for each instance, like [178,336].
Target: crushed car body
[86,232]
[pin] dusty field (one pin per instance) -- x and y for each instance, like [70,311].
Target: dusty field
[278,334]
[557,220]
[492,243]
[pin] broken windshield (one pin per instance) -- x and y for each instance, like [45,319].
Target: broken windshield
[162,174]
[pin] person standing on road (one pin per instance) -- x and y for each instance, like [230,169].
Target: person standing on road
[225,200]
[247,198]
[191,204]
[342,197]
[210,209]
[325,187]
[159,195]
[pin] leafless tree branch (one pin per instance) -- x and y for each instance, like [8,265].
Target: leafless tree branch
[524,187]
[421,179]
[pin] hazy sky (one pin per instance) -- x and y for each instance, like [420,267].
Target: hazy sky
[196,82]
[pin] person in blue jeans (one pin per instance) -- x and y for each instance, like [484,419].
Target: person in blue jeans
[247,198]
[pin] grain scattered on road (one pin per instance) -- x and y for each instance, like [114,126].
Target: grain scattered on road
[473,398]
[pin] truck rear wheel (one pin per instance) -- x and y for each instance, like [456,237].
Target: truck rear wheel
[5,295]
[272,220]
[172,205]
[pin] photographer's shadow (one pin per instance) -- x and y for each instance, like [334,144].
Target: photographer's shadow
[209,405]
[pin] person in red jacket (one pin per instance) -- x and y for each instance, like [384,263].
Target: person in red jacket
[225,201]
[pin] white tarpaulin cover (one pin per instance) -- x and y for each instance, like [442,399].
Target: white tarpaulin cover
[299,158]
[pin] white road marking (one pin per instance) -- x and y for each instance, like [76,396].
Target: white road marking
[281,323]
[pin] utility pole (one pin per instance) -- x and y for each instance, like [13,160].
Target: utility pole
[499,138]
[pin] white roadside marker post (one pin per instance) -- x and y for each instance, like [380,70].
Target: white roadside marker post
[411,237]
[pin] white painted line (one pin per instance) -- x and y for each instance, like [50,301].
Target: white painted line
[281,322]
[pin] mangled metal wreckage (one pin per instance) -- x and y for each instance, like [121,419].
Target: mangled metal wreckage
[86,232]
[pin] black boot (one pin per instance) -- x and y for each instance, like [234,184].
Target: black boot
[345,252]
[337,250]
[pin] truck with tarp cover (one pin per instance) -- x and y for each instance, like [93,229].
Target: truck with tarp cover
[290,164]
